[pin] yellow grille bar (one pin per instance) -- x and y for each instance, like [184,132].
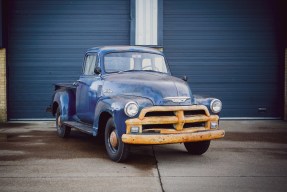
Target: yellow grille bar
[173,131]
[173,108]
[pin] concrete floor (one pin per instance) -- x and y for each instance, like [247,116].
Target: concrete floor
[251,157]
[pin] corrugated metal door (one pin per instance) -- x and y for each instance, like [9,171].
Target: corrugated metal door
[228,49]
[47,41]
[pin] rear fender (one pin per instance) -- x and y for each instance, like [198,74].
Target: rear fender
[65,99]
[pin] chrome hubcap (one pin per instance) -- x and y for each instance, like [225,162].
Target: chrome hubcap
[113,139]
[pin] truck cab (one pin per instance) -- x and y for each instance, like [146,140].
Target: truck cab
[127,96]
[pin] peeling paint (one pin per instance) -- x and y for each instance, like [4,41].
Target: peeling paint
[116,106]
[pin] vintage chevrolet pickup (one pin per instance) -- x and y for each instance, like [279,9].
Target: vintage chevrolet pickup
[127,96]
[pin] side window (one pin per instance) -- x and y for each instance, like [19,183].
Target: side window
[90,63]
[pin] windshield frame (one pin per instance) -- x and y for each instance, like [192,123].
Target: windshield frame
[130,51]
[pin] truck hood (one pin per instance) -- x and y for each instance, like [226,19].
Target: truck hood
[161,89]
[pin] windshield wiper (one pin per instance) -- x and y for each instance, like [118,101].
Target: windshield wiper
[154,71]
[128,70]
[139,70]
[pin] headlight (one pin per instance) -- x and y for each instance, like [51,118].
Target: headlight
[215,105]
[131,109]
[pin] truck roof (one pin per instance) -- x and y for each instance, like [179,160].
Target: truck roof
[117,48]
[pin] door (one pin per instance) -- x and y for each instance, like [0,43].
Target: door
[83,93]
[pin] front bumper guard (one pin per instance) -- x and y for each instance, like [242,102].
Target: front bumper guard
[156,139]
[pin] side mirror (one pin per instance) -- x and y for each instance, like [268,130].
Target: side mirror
[184,78]
[97,70]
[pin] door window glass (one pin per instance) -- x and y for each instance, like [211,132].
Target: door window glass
[90,64]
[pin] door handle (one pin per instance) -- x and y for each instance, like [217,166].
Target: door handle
[76,84]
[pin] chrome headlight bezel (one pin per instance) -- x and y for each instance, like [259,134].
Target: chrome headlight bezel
[131,109]
[215,105]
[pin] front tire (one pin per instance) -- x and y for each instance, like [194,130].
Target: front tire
[116,149]
[62,130]
[197,148]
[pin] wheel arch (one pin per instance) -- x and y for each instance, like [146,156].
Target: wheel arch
[114,106]
[55,107]
[65,99]
[103,119]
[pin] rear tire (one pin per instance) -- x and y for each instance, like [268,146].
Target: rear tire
[197,148]
[116,149]
[62,130]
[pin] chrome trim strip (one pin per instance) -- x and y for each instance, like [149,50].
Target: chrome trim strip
[177,99]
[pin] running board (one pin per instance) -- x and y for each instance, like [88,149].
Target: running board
[86,128]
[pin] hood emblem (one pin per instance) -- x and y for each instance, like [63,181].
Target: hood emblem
[177,99]
[108,91]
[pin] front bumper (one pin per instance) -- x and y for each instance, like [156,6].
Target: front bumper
[172,124]
[155,139]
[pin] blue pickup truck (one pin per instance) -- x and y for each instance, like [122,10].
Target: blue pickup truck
[127,96]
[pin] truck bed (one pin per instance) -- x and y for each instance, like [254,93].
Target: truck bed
[65,86]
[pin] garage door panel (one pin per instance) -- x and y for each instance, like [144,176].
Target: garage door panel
[47,41]
[229,50]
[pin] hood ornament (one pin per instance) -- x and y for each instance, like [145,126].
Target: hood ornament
[177,99]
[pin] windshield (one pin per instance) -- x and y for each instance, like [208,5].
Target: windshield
[129,61]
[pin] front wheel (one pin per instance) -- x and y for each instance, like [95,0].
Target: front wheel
[197,148]
[62,130]
[116,149]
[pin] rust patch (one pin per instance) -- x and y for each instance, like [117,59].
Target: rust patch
[156,139]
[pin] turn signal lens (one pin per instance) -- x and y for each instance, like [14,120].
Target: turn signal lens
[135,129]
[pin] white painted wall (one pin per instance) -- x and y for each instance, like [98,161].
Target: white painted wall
[146,22]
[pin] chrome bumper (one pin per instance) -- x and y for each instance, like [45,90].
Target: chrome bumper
[155,139]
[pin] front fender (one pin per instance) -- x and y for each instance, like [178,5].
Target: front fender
[115,107]
[199,100]
[65,99]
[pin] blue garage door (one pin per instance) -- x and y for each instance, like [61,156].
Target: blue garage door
[230,50]
[46,44]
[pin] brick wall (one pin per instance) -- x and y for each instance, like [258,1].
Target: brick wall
[285,108]
[3,93]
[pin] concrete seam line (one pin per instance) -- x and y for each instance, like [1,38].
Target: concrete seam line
[157,168]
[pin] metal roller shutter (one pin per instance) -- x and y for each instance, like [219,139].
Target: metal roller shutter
[46,44]
[230,50]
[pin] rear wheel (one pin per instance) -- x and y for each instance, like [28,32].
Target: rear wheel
[62,130]
[116,149]
[197,148]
